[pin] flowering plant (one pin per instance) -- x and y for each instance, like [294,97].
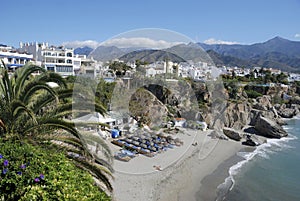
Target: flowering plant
[16,172]
[33,173]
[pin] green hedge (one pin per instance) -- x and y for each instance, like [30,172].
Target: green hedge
[32,173]
[252,94]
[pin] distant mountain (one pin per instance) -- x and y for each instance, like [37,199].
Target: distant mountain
[83,50]
[277,44]
[106,53]
[222,60]
[151,56]
[190,52]
[275,53]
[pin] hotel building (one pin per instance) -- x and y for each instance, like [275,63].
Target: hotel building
[58,59]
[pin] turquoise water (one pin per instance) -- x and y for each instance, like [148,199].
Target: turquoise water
[272,172]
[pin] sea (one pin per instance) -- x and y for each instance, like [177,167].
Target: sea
[271,172]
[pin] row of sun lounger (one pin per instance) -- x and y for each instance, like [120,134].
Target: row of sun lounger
[147,144]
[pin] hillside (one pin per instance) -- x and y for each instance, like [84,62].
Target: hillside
[151,56]
[275,53]
[83,50]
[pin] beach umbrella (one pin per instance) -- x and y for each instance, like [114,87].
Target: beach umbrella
[153,149]
[135,138]
[128,140]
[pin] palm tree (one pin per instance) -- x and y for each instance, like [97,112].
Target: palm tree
[32,110]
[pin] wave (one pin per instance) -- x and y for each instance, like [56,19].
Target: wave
[296,117]
[263,151]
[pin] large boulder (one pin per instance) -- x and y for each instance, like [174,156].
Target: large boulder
[255,114]
[232,134]
[218,134]
[269,128]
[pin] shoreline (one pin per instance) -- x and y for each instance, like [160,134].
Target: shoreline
[199,175]
[211,183]
[249,153]
[181,180]
[193,177]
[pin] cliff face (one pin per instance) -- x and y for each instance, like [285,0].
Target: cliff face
[237,115]
[155,104]
[264,118]
[147,108]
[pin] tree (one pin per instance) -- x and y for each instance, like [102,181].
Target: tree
[119,68]
[31,110]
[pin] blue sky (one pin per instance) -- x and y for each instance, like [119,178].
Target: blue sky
[58,21]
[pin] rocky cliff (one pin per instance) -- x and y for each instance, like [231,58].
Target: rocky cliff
[260,115]
[235,118]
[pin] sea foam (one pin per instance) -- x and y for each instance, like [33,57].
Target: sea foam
[270,147]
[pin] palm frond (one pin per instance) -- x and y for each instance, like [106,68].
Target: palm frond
[96,170]
[21,75]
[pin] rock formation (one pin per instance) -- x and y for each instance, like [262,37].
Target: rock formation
[269,128]
[232,134]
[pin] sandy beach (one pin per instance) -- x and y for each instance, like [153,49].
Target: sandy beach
[184,170]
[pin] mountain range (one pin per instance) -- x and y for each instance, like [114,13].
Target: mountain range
[277,53]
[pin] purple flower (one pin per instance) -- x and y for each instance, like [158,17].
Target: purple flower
[5,171]
[1,156]
[37,180]
[23,166]
[42,176]
[5,163]
[19,173]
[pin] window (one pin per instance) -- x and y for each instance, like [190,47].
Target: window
[50,68]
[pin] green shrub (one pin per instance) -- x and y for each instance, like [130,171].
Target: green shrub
[252,94]
[33,173]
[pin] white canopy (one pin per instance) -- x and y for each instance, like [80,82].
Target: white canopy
[94,118]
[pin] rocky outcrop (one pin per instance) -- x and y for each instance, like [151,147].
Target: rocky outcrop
[269,128]
[237,115]
[295,100]
[147,109]
[287,110]
[232,134]
[263,103]
[255,114]
[249,142]
[218,134]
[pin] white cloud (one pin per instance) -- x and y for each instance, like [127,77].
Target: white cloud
[213,41]
[139,42]
[297,35]
[123,43]
[76,44]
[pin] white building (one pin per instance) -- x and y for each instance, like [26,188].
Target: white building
[58,59]
[294,77]
[12,58]
[89,67]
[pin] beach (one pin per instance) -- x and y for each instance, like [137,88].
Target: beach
[183,170]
